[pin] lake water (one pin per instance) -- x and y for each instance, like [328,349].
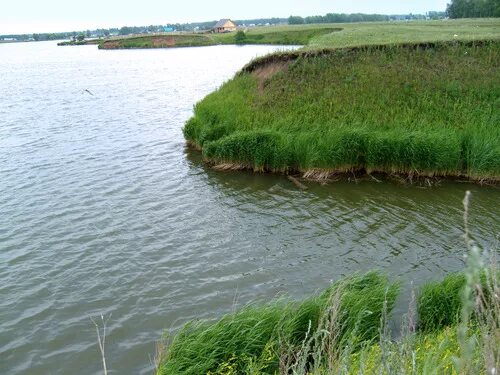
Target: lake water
[103,210]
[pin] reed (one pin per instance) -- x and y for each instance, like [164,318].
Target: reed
[344,330]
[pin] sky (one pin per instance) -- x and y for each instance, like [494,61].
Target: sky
[37,16]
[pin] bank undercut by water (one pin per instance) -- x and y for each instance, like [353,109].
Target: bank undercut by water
[429,109]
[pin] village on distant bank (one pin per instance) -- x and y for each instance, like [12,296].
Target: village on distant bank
[224,25]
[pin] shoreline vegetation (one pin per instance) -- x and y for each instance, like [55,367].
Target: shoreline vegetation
[415,107]
[421,109]
[452,326]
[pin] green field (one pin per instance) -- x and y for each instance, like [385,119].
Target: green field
[355,34]
[379,105]
[345,331]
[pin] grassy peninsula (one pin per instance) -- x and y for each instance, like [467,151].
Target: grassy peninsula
[262,35]
[358,101]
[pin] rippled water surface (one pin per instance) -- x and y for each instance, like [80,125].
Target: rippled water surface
[103,210]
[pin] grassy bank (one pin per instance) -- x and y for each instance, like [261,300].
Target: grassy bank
[158,41]
[281,36]
[256,333]
[418,109]
[344,330]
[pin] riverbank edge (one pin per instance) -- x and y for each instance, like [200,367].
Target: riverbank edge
[352,317]
[290,56]
[350,172]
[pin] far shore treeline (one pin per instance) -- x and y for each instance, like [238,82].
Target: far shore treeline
[208,25]
[360,17]
[455,9]
[473,8]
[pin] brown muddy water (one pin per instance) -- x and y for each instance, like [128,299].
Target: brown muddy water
[104,210]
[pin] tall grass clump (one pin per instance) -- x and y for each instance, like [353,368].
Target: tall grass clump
[417,109]
[440,303]
[283,333]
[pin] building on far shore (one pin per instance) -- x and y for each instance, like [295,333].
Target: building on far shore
[224,26]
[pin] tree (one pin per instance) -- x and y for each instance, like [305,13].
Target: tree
[126,30]
[240,37]
[473,8]
[295,20]
[433,15]
[80,37]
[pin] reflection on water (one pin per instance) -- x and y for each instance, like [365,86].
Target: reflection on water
[104,210]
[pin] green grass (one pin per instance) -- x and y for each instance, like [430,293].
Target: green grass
[370,33]
[430,353]
[440,303]
[258,333]
[344,331]
[425,110]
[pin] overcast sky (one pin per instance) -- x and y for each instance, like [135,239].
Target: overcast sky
[29,16]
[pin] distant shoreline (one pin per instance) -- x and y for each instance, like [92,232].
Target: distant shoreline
[283,35]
